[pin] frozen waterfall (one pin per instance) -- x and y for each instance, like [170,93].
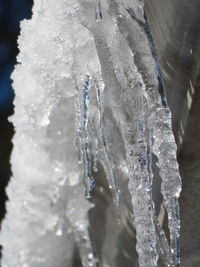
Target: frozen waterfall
[90,105]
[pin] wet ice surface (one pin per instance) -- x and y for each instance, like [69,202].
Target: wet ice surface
[87,94]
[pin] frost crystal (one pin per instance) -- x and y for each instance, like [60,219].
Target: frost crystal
[89,96]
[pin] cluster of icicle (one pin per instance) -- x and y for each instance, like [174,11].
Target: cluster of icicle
[90,66]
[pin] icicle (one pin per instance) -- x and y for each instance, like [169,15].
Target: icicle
[98,13]
[140,182]
[140,189]
[108,162]
[165,149]
[87,176]
[82,135]
[131,91]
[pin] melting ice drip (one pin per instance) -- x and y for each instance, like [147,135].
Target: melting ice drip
[111,71]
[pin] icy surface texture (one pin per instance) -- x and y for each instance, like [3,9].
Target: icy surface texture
[88,93]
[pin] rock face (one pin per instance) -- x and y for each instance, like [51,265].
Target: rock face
[90,108]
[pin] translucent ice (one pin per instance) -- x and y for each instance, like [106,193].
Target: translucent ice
[88,93]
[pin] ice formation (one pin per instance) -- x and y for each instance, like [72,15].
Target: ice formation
[88,92]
